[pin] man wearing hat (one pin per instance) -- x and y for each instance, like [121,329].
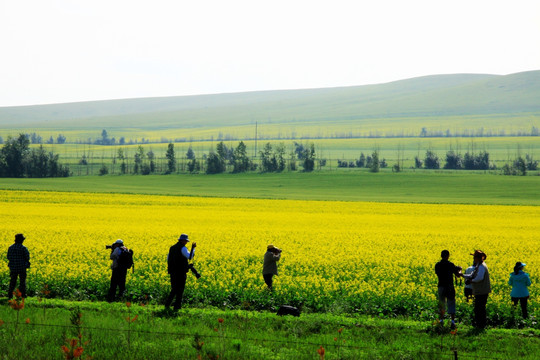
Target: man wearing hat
[177,267]
[19,260]
[271,257]
[119,273]
[520,281]
[481,287]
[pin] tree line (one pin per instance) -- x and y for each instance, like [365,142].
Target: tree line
[18,160]
[105,139]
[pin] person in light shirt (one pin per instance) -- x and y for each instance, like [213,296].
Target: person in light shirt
[177,267]
[481,288]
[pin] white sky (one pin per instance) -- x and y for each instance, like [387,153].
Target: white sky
[55,51]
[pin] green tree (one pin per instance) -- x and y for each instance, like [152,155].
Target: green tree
[122,158]
[521,166]
[280,157]
[215,164]
[241,162]
[138,160]
[268,159]
[151,161]
[375,166]
[194,165]
[13,155]
[171,159]
[432,160]
[309,158]
[190,155]
[453,160]
[222,151]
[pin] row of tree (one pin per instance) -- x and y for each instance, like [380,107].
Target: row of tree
[272,158]
[18,160]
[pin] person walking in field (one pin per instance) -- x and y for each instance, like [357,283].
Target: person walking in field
[445,271]
[520,282]
[481,284]
[19,260]
[119,269]
[177,267]
[271,257]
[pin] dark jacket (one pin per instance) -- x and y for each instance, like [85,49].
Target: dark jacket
[19,257]
[176,262]
[445,271]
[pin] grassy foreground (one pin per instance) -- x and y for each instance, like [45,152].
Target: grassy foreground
[140,331]
[450,187]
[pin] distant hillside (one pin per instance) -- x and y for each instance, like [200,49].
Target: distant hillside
[429,96]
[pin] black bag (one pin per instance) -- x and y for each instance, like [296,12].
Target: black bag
[288,310]
[125,259]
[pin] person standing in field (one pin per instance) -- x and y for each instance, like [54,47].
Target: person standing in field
[445,271]
[19,260]
[271,257]
[520,280]
[177,267]
[481,288]
[119,272]
[467,289]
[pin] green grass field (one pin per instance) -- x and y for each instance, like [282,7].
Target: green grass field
[409,187]
[41,329]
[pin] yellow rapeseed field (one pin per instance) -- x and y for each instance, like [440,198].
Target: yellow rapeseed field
[354,256]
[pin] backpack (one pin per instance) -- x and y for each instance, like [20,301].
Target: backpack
[288,310]
[125,259]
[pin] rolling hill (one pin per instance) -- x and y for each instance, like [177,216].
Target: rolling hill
[430,96]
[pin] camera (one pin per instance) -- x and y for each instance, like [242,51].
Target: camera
[108,247]
[194,271]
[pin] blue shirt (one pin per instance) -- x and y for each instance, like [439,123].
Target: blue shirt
[19,257]
[519,283]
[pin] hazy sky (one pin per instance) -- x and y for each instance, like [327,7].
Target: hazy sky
[69,50]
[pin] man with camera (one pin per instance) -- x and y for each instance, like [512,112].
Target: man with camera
[177,267]
[119,271]
[271,257]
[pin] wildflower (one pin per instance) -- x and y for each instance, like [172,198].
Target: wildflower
[220,320]
[1,322]
[128,304]
[340,330]
[320,351]
[16,304]
[73,351]
[28,320]
[78,352]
